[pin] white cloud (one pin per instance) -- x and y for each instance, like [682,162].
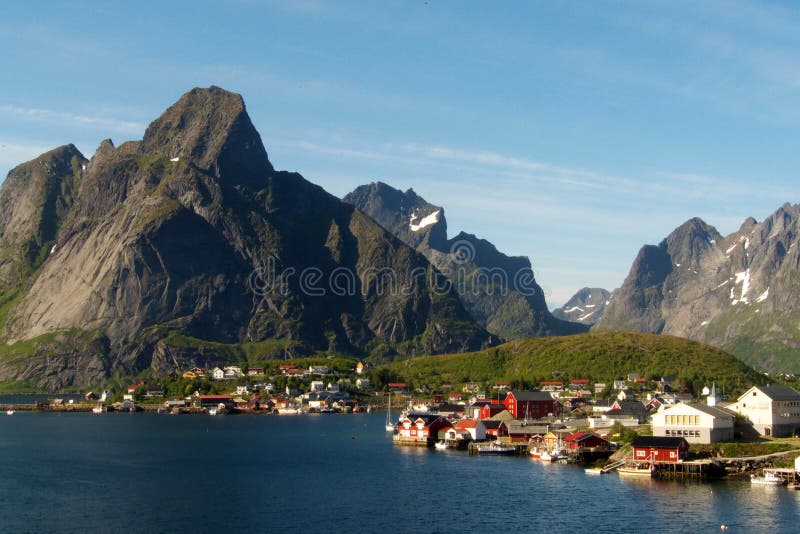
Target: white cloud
[72,119]
[12,154]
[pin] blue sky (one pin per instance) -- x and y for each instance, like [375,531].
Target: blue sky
[570,132]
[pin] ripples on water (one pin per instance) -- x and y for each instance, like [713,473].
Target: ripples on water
[163,473]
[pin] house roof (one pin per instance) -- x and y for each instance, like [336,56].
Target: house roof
[658,441]
[445,407]
[577,437]
[503,415]
[523,396]
[427,419]
[215,397]
[492,423]
[521,427]
[629,407]
[467,423]
[779,393]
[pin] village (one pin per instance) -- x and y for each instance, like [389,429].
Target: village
[642,428]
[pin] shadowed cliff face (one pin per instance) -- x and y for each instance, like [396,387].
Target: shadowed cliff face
[192,230]
[498,291]
[738,292]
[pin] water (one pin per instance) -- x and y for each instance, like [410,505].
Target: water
[80,472]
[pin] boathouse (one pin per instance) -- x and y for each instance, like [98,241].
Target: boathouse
[421,429]
[660,449]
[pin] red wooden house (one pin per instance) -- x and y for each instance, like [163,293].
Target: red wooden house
[660,449]
[497,429]
[491,409]
[531,404]
[421,429]
[583,441]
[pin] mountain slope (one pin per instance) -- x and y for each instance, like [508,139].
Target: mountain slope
[499,291]
[738,292]
[599,356]
[192,230]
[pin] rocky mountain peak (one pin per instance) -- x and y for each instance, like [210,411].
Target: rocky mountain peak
[688,242]
[211,128]
[498,291]
[586,306]
[34,200]
[405,214]
[737,292]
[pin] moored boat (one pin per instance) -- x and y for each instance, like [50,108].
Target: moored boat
[9,412]
[637,469]
[440,445]
[496,448]
[769,479]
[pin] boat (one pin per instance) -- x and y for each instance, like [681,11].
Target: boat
[638,469]
[9,412]
[770,478]
[290,410]
[496,448]
[98,409]
[440,445]
[389,425]
[593,471]
[212,411]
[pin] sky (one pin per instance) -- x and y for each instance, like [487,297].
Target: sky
[569,132]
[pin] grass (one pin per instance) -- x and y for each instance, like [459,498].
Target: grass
[743,449]
[602,356]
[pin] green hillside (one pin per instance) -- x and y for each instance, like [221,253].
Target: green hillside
[602,356]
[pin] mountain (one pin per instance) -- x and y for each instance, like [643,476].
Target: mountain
[138,258]
[499,291]
[738,292]
[586,306]
[599,356]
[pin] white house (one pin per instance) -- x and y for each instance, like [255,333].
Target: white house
[217,374]
[362,383]
[317,385]
[475,428]
[232,371]
[697,423]
[773,410]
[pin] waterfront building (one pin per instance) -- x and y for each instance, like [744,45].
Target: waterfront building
[474,427]
[772,410]
[697,423]
[660,448]
[421,429]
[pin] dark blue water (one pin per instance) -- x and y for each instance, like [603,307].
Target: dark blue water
[80,472]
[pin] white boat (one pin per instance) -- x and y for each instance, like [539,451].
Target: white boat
[389,425]
[440,446]
[289,410]
[496,448]
[9,412]
[212,411]
[770,478]
[637,469]
[97,409]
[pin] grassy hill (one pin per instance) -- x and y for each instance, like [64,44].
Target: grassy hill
[602,356]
